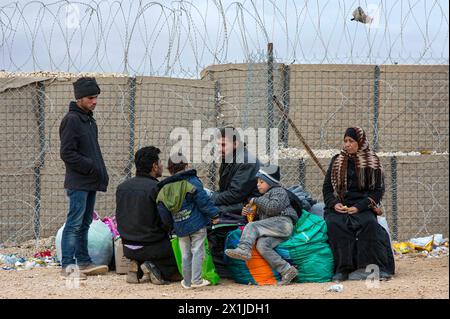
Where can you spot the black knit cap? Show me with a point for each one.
(270, 174)
(352, 133)
(85, 86)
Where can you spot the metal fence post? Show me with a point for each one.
(269, 95)
(376, 105)
(40, 108)
(132, 92)
(302, 172)
(212, 171)
(394, 197)
(285, 126)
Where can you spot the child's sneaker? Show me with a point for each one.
(238, 253)
(288, 276)
(183, 284)
(203, 283)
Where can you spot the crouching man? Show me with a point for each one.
(145, 242)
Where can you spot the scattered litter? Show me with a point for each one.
(43, 254)
(434, 246)
(403, 247)
(14, 262)
(336, 288)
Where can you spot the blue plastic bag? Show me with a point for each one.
(100, 243)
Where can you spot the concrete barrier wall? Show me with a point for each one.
(414, 113)
(19, 148)
(243, 94)
(326, 99)
(323, 101)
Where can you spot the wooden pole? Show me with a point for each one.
(299, 135)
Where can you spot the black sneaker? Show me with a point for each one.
(153, 273)
(359, 274)
(385, 276)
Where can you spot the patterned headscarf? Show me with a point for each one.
(369, 170)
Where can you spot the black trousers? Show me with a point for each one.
(358, 240)
(216, 244)
(160, 254)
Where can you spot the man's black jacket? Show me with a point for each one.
(80, 151)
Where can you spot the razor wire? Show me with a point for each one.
(181, 38)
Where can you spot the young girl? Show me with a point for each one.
(275, 222)
(184, 206)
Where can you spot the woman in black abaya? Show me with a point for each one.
(353, 187)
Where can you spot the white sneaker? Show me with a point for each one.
(183, 284)
(203, 283)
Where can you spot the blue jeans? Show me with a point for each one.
(74, 241)
(267, 234)
(192, 253)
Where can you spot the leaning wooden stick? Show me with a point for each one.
(299, 135)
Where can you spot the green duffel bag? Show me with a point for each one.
(308, 249)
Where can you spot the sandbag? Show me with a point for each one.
(308, 249)
(208, 270)
(255, 271)
(100, 243)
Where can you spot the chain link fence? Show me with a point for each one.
(138, 111)
(403, 107)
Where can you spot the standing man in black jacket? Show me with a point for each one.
(145, 240)
(85, 175)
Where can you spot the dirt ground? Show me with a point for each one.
(416, 278)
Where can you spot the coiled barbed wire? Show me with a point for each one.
(182, 37)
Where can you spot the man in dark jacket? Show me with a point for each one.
(145, 240)
(237, 183)
(85, 175)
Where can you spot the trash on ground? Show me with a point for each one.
(336, 288)
(435, 246)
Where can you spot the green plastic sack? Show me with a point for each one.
(208, 269)
(308, 249)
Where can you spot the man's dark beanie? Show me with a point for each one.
(352, 133)
(85, 86)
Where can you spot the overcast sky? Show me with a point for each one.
(180, 37)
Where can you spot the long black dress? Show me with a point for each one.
(357, 240)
